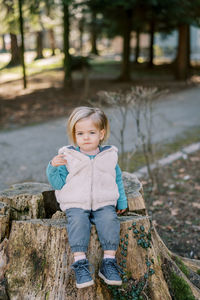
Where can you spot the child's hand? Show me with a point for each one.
(58, 160)
(121, 211)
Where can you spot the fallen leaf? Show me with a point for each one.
(143, 182)
(188, 222)
(170, 228)
(196, 228)
(174, 211)
(171, 186)
(154, 223)
(195, 158)
(197, 187)
(195, 204)
(171, 193)
(157, 202)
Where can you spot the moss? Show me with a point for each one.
(47, 296)
(38, 263)
(159, 260)
(181, 266)
(16, 282)
(180, 289)
(198, 272)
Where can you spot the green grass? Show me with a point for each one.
(106, 67)
(35, 66)
(181, 290)
(161, 151)
(181, 266)
(100, 66)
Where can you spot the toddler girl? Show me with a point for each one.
(89, 187)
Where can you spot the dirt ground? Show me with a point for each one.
(45, 98)
(176, 210)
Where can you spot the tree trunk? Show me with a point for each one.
(94, 34)
(182, 71)
(15, 51)
(3, 43)
(67, 59)
(81, 30)
(151, 50)
(188, 48)
(125, 73)
(21, 28)
(137, 47)
(52, 41)
(35, 256)
(39, 45)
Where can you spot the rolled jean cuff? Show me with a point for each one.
(79, 249)
(109, 247)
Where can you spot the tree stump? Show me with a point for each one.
(4, 220)
(35, 256)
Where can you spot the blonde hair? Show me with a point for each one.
(97, 115)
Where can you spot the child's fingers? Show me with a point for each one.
(62, 158)
(59, 160)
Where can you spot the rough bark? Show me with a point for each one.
(137, 47)
(35, 256)
(133, 188)
(4, 220)
(39, 45)
(52, 41)
(94, 34)
(151, 50)
(66, 46)
(3, 43)
(21, 26)
(81, 30)
(15, 51)
(40, 259)
(181, 67)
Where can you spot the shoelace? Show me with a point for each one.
(110, 264)
(83, 269)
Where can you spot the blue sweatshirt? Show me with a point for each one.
(57, 178)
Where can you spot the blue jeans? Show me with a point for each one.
(79, 224)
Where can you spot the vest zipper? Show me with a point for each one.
(92, 182)
(92, 163)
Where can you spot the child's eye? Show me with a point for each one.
(92, 132)
(79, 133)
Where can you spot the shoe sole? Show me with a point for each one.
(110, 282)
(85, 284)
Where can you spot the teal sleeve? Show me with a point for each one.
(122, 201)
(56, 176)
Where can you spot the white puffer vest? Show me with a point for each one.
(91, 183)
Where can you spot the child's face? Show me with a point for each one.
(88, 136)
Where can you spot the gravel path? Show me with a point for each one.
(25, 152)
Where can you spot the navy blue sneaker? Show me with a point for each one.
(82, 273)
(109, 271)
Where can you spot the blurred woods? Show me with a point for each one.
(72, 19)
